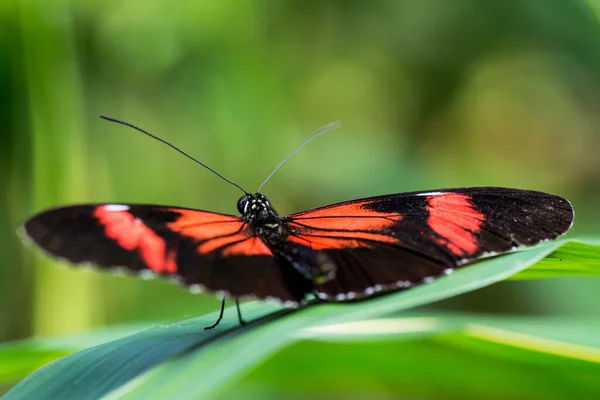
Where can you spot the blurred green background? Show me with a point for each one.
(430, 94)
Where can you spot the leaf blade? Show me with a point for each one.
(158, 361)
(573, 258)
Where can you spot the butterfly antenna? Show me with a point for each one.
(118, 121)
(324, 129)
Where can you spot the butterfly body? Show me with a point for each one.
(262, 220)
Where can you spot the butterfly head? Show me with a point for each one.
(256, 208)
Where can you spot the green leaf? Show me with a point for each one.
(580, 332)
(573, 258)
(19, 361)
(19, 358)
(478, 357)
(93, 372)
(180, 360)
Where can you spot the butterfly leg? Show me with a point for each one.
(237, 304)
(208, 328)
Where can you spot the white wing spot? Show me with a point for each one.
(430, 194)
(146, 274)
(195, 288)
(369, 291)
(448, 271)
(428, 279)
(290, 304)
(116, 207)
(340, 297)
(120, 271)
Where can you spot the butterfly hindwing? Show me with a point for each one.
(203, 250)
(397, 241)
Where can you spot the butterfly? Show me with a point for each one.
(345, 251)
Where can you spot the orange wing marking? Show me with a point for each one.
(133, 235)
(252, 246)
(236, 245)
(348, 216)
(219, 242)
(343, 226)
(204, 225)
(453, 217)
(326, 243)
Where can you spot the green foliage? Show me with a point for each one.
(181, 360)
(462, 363)
(575, 258)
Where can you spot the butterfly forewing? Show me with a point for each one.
(203, 250)
(401, 240)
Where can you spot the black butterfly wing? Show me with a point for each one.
(401, 240)
(203, 250)
(346, 250)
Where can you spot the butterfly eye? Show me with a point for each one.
(242, 204)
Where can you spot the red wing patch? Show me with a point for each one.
(325, 243)
(354, 215)
(218, 232)
(251, 246)
(219, 243)
(205, 225)
(349, 225)
(133, 235)
(238, 244)
(455, 220)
